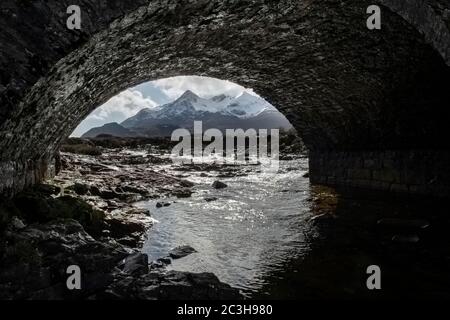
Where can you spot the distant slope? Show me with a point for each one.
(113, 129)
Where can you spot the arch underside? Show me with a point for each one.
(372, 106)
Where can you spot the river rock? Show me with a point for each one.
(35, 266)
(162, 204)
(219, 185)
(181, 251)
(136, 263)
(79, 188)
(171, 285)
(182, 193)
(165, 261)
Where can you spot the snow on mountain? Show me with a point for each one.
(222, 112)
(244, 106)
(247, 105)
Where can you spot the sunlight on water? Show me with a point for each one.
(253, 228)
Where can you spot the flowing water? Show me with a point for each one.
(253, 227)
(260, 235)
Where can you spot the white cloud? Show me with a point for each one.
(202, 86)
(126, 103)
(120, 107)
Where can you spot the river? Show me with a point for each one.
(259, 234)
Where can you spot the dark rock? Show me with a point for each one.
(138, 211)
(181, 251)
(47, 189)
(306, 175)
(186, 183)
(79, 188)
(16, 224)
(130, 229)
(165, 261)
(134, 189)
(172, 285)
(210, 199)
(182, 193)
(34, 267)
(135, 264)
(219, 185)
(162, 204)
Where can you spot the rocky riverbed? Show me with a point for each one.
(140, 227)
(85, 216)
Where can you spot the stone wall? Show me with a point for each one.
(17, 175)
(416, 172)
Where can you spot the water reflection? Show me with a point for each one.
(278, 237)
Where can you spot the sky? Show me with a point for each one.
(152, 94)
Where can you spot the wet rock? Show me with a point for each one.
(79, 188)
(165, 261)
(219, 185)
(210, 199)
(162, 204)
(172, 285)
(138, 211)
(134, 189)
(182, 193)
(129, 229)
(35, 264)
(108, 194)
(186, 183)
(136, 263)
(155, 265)
(181, 251)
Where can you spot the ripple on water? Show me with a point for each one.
(251, 230)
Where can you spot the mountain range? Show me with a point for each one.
(222, 112)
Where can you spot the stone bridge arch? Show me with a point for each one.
(372, 106)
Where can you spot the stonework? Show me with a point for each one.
(344, 87)
(418, 172)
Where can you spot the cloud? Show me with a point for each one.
(202, 86)
(120, 107)
(126, 103)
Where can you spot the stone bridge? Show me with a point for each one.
(371, 105)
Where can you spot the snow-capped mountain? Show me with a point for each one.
(222, 112)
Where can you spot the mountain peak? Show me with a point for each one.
(188, 95)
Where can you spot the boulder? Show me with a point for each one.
(136, 264)
(181, 251)
(219, 185)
